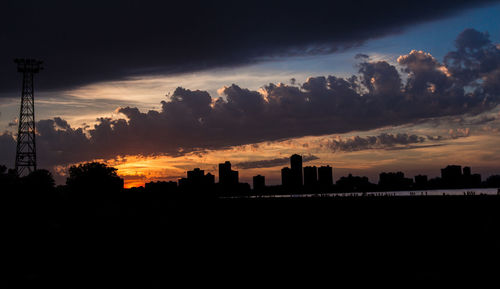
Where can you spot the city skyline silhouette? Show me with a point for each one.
(301, 180)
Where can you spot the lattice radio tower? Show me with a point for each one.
(26, 146)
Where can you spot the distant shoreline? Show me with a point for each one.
(410, 193)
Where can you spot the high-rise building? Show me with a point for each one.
(196, 176)
(420, 181)
(325, 176)
(310, 176)
(226, 175)
(296, 170)
(466, 171)
(452, 176)
(209, 179)
(224, 172)
(259, 183)
(286, 175)
(470, 180)
(235, 179)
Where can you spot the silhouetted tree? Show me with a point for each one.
(39, 181)
(8, 179)
(92, 177)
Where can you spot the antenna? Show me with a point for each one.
(26, 145)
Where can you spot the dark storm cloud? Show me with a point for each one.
(91, 41)
(192, 120)
(272, 162)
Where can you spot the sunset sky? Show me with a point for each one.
(156, 89)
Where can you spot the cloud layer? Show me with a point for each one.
(91, 41)
(382, 141)
(389, 141)
(272, 162)
(466, 83)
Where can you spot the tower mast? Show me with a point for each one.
(26, 145)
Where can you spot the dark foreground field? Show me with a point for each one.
(408, 242)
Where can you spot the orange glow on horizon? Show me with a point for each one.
(132, 183)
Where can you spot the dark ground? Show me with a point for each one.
(405, 242)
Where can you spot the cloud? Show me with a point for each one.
(459, 132)
(388, 141)
(471, 39)
(476, 62)
(59, 144)
(426, 76)
(381, 79)
(7, 149)
(362, 56)
(411, 147)
(382, 141)
(113, 40)
(191, 120)
(272, 162)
